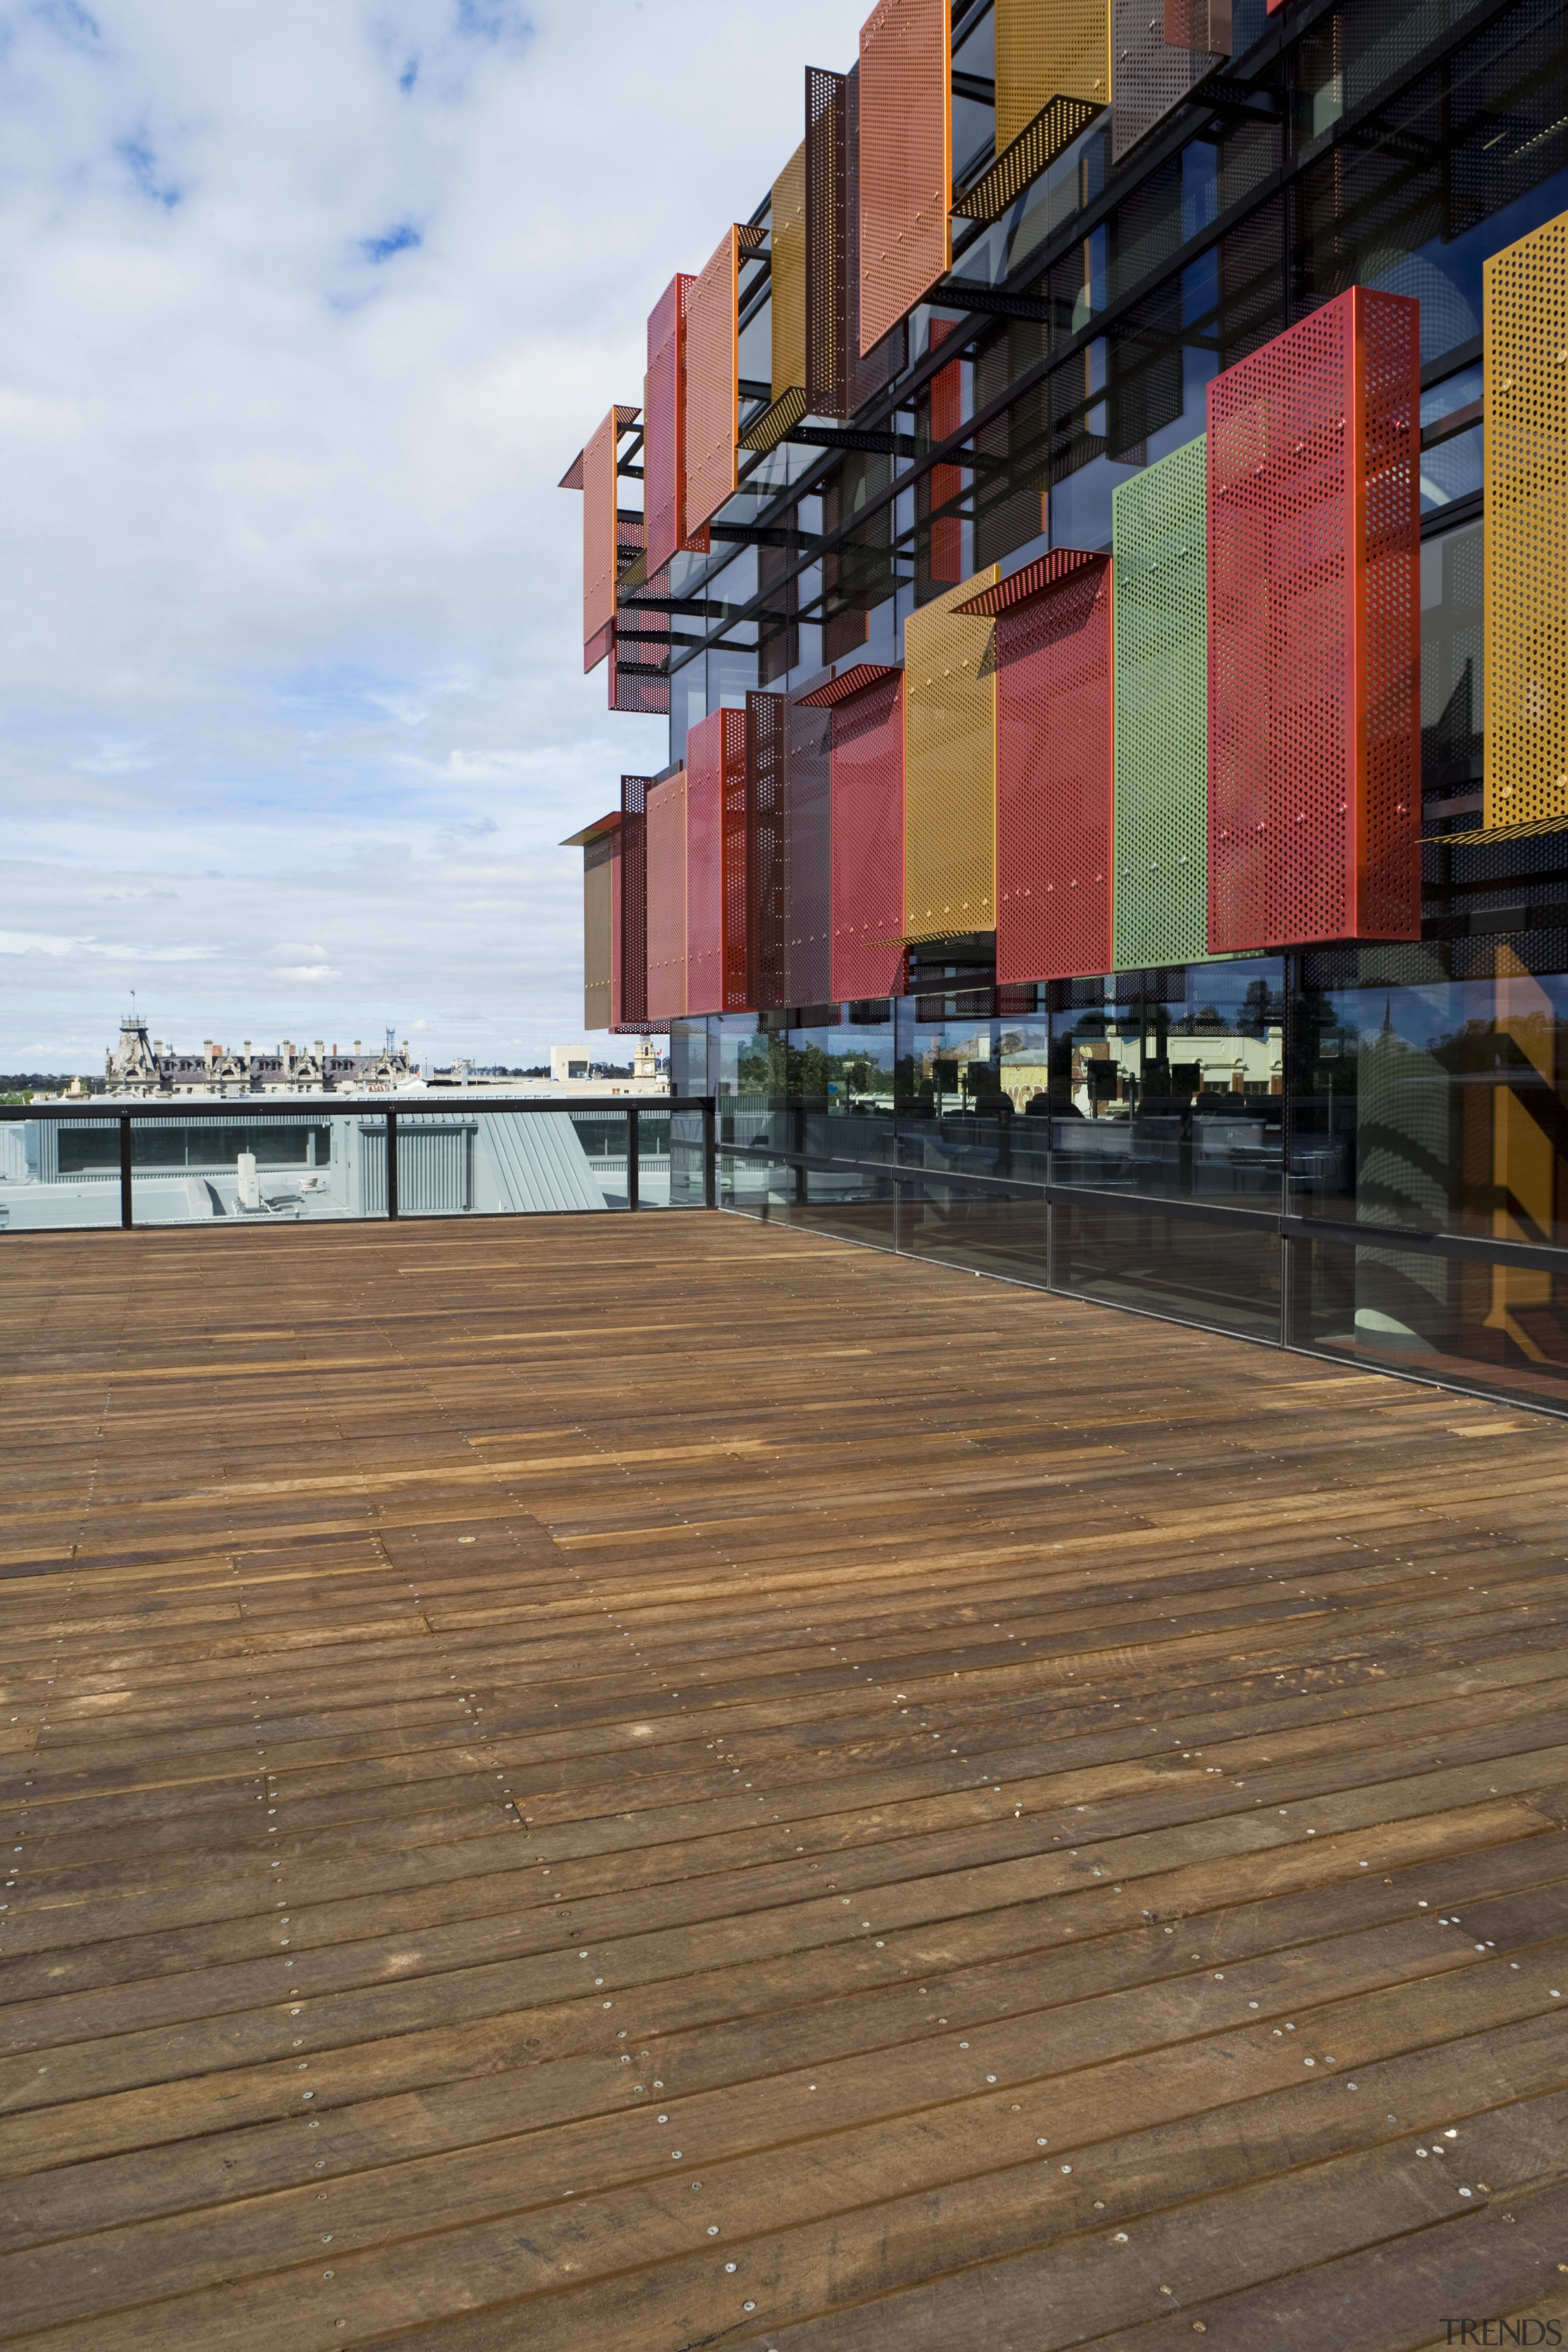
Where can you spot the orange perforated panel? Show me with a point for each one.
(949, 767)
(600, 876)
(868, 838)
(599, 543)
(716, 864)
(1054, 774)
(712, 385)
(1527, 528)
(664, 428)
(666, 837)
(1314, 631)
(1045, 49)
(906, 160)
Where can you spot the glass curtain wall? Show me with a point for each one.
(1355, 1152)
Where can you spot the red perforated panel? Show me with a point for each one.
(767, 737)
(1053, 775)
(906, 160)
(735, 884)
(664, 427)
(868, 840)
(667, 899)
(705, 864)
(1314, 632)
(599, 564)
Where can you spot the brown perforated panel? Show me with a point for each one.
(1151, 74)
(1054, 774)
(1314, 645)
(712, 385)
(1199, 24)
(734, 957)
(767, 739)
(826, 291)
(1045, 49)
(1527, 529)
(667, 899)
(808, 922)
(906, 160)
(868, 838)
(705, 864)
(949, 767)
(632, 1005)
(788, 235)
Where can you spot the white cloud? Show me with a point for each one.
(306, 311)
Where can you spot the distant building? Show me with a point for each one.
(137, 1067)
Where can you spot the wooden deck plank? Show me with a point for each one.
(963, 1733)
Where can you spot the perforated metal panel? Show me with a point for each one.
(599, 538)
(1527, 529)
(1199, 24)
(667, 899)
(598, 930)
(1045, 49)
(632, 1005)
(949, 767)
(868, 838)
(906, 160)
(713, 385)
(808, 919)
(1159, 543)
(826, 259)
(1054, 771)
(735, 891)
(1151, 74)
(1314, 639)
(705, 864)
(1056, 126)
(664, 428)
(767, 743)
(787, 218)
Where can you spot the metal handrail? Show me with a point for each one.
(105, 1111)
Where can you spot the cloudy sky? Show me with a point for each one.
(304, 309)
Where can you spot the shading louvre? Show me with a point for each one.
(664, 427)
(787, 313)
(905, 160)
(667, 855)
(1314, 631)
(949, 767)
(716, 863)
(1054, 777)
(1526, 295)
(601, 844)
(713, 380)
(867, 702)
(1161, 712)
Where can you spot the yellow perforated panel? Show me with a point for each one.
(788, 217)
(1045, 49)
(1527, 528)
(950, 766)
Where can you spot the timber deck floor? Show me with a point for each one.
(526, 1832)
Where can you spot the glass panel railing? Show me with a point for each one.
(58, 1173)
(255, 1167)
(687, 1159)
(510, 1164)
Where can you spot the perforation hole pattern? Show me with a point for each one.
(949, 767)
(633, 899)
(599, 879)
(826, 125)
(713, 386)
(1054, 781)
(705, 864)
(1162, 713)
(1527, 529)
(734, 900)
(666, 898)
(788, 276)
(767, 739)
(1044, 50)
(1313, 582)
(808, 921)
(906, 160)
(599, 536)
(869, 842)
(1151, 75)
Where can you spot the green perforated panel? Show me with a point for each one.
(1161, 912)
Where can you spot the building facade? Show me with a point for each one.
(1097, 529)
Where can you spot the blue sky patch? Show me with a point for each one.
(401, 239)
